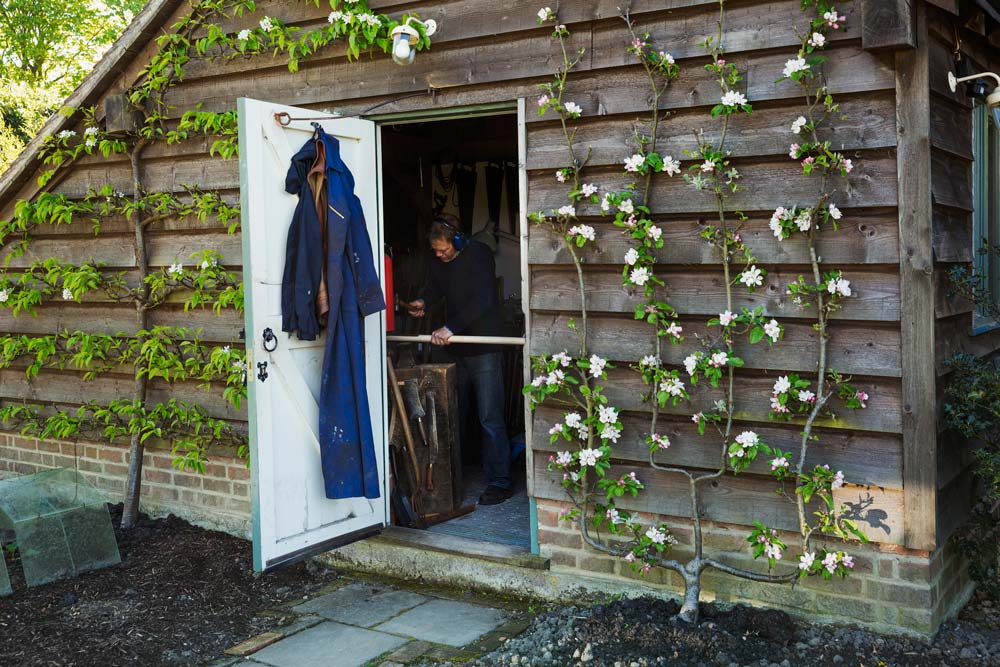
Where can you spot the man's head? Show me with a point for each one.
(442, 237)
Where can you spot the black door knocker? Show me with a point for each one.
(270, 338)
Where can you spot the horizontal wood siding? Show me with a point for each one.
(495, 52)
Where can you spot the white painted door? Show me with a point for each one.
(292, 517)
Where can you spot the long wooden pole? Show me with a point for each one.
(466, 340)
(411, 448)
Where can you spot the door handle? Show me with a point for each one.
(269, 339)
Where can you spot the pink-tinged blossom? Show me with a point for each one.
(589, 457)
(555, 430)
(808, 160)
(752, 277)
(747, 438)
(772, 330)
(654, 232)
(631, 257)
(611, 432)
(780, 462)
(638, 44)
(672, 386)
(776, 405)
(555, 377)
(830, 562)
(719, 359)
(635, 162)
(560, 175)
(586, 231)
(670, 165)
(847, 561)
(795, 65)
(538, 381)
(793, 151)
(708, 166)
(839, 286)
(804, 219)
(835, 212)
(626, 206)
(772, 550)
(646, 568)
(782, 385)
(838, 480)
(666, 57)
(605, 204)
(588, 189)
(630, 557)
(697, 417)
(649, 361)
(798, 124)
(573, 419)
(569, 211)
(573, 108)
(806, 561)
(656, 535)
(833, 19)
(691, 363)
(562, 358)
(726, 318)
(807, 396)
(675, 330)
(597, 365)
(639, 276)
(607, 414)
(817, 40)
(545, 14)
(862, 397)
(564, 458)
(661, 441)
(734, 98)
(543, 100)
(847, 165)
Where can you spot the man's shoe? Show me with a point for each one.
(494, 495)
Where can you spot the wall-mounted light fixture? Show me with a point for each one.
(405, 36)
(992, 100)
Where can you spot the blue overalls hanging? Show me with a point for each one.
(330, 275)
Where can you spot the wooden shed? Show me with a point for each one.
(908, 216)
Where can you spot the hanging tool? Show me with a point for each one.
(433, 443)
(411, 448)
(411, 394)
(401, 506)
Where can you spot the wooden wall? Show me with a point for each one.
(954, 245)
(493, 52)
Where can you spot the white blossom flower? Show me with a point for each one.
(538, 381)
(656, 535)
(605, 203)
(555, 377)
(708, 166)
(798, 123)
(634, 163)
(835, 212)
(838, 480)
(573, 108)
(719, 359)
(748, 438)
(631, 257)
(772, 550)
(649, 361)
(573, 420)
(597, 365)
(777, 406)
(544, 14)
(734, 98)
(793, 151)
(611, 432)
(67, 294)
(556, 429)
(244, 35)
(562, 358)
(772, 330)
(672, 386)
(782, 385)
(670, 166)
(639, 276)
(691, 363)
(588, 189)
(847, 561)
(589, 457)
(817, 39)
(726, 318)
(266, 24)
(4, 295)
(560, 175)
(613, 516)
(697, 417)
(675, 330)
(564, 458)
(654, 232)
(806, 396)
(780, 462)
(830, 562)
(175, 270)
(568, 210)
(847, 165)
(332, 18)
(607, 414)
(66, 134)
(91, 131)
(806, 560)
(804, 220)
(839, 286)
(752, 277)
(543, 100)
(666, 57)
(795, 65)
(626, 206)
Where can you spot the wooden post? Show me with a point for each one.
(887, 24)
(916, 276)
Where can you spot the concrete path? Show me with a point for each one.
(364, 624)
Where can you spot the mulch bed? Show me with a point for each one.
(181, 596)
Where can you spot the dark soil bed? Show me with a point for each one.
(181, 596)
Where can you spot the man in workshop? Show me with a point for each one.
(464, 274)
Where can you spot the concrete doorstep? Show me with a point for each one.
(372, 624)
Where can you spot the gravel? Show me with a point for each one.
(645, 632)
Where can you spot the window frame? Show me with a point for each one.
(985, 208)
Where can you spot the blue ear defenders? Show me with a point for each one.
(458, 239)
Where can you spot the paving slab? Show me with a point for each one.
(446, 622)
(362, 604)
(328, 644)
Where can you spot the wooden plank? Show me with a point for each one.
(946, 303)
(114, 250)
(954, 503)
(624, 389)
(941, 61)
(887, 24)
(165, 249)
(951, 181)
(873, 183)
(947, 5)
(741, 500)
(868, 122)
(955, 455)
(201, 171)
(952, 235)
(917, 293)
(954, 336)
(882, 464)
(855, 348)
(864, 237)
(703, 293)
(951, 127)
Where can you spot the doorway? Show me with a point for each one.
(466, 167)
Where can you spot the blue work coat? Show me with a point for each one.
(347, 449)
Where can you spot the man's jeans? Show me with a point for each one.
(481, 374)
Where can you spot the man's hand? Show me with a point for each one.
(416, 308)
(442, 336)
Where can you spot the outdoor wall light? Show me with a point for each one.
(992, 100)
(404, 36)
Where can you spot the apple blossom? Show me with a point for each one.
(830, 562)
(782, 385)
(708, 166)
(795, 65)
(675, 330)
(862, 397)
(588, 189)
(605, 204)
(543, 100)
(176, 269)
(817, 39)
(545, 14)
(726, 318)
(639, 276)
(556, 429)
(662, 441)
(654, 232)
(586, 231)
(332, 18)
(804, 220)
(838, 480)
(807, 396)
(670, 166)
(607, 415)
(538, 381)
(266, 24)
(748, 438)
(631, 257)
(630, 557)
(656, 535)
(67, 294)
(847, 165)
(798, 123)
(752, 277)
(635, 162)
(568, 210)
(847, 561)
(555, 377)
(66, 134)
(806, 560)
(573, 108)
(697, 417)
(772, 330)
(573, 420)
(597, 365)
(562, 358)
(626, 206)
(734, 98)
(780, 462)
(776, 405)
(4, 295)
(611, 432)
(649, 361)
(691, 363)
(835, 212)
(560, 175)
(589, 457)
(719, 359)
(672, 386)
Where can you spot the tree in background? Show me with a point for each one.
(47, 47)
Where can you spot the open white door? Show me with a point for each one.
(292, 518)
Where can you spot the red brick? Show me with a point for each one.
(186, 480)
(63, 461)
(116, 470)
(69, 448)
(90, 452)
(163, 462)
(30, 456)
(217, 485)
(241, 490)
(560, 539)
(111, 454)
(208, 500)
(48, 446)
(240, 505)
(563, 558)
(158, 491)
(156, 476)
(604, 564)
(238, 472)
(215, 470)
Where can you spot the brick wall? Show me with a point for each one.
(218, 499)
(891, 589)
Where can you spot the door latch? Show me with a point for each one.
(261, 370)
(269, 339)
